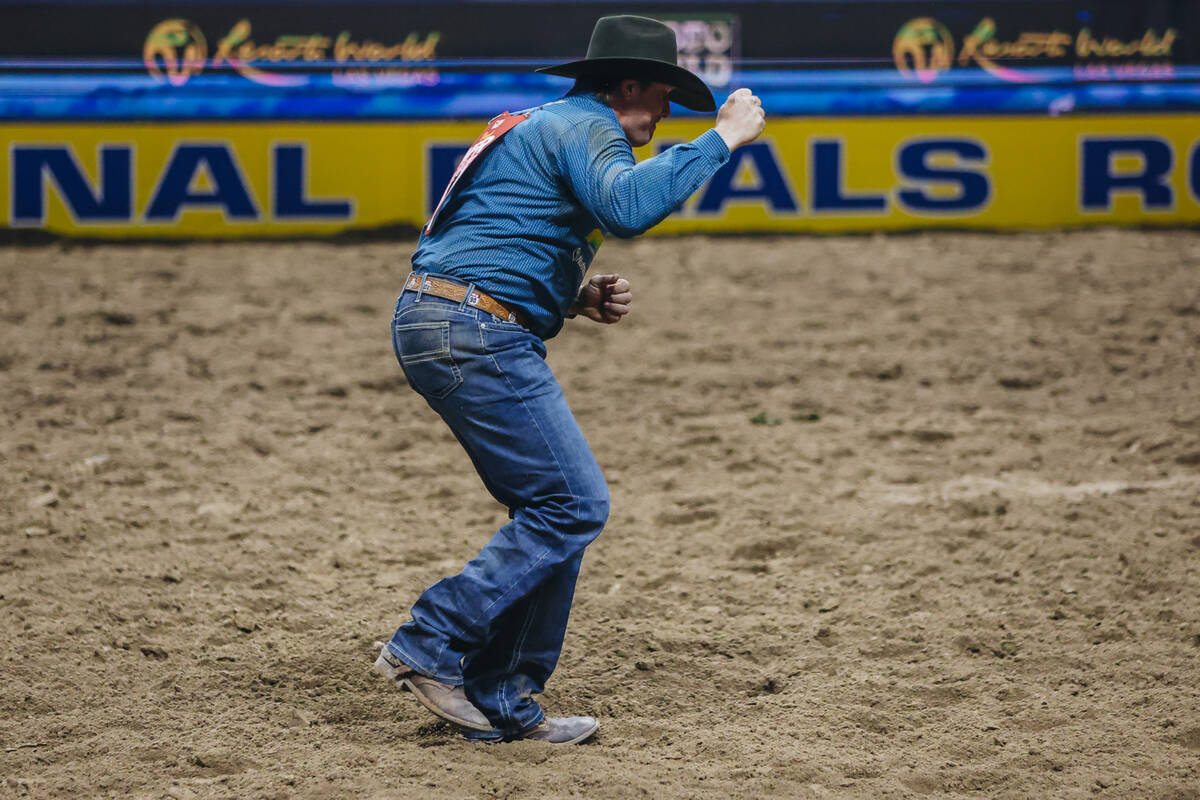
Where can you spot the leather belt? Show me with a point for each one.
(457, 292)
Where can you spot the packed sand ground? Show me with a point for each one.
(893, 517)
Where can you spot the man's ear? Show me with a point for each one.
(628, 87)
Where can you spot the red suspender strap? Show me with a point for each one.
(495, 129)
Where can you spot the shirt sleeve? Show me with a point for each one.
(629, 198)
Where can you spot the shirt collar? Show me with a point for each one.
(590, 102)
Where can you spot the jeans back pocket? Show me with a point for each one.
(423, 349)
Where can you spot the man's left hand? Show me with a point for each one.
(604, 298)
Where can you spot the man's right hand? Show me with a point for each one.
(741, 119)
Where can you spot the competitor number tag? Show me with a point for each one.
(495, 129)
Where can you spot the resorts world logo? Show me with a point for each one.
(176, 50)
(924, 48)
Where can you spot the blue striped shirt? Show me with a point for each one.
(525, 221)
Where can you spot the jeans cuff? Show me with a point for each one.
(497, 735)
(428, 672)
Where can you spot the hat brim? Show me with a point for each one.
(690, 91)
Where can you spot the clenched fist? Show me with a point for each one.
(741, 118)
(604, 298)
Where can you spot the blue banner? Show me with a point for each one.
(313, 60)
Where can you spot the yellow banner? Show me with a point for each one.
(805, 174)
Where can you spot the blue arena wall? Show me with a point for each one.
(286, 99)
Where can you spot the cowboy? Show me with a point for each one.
(498, 268)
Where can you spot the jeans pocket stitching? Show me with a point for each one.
(488, 350)
(442, 351)
(442, 354)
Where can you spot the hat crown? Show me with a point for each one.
(627, 46)
(628, 36)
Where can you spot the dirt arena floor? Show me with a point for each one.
(893, 517)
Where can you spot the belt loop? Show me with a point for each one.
(466, 301)
(415, 282)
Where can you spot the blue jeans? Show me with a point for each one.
(497, 627)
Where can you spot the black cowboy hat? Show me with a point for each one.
(626, 46)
